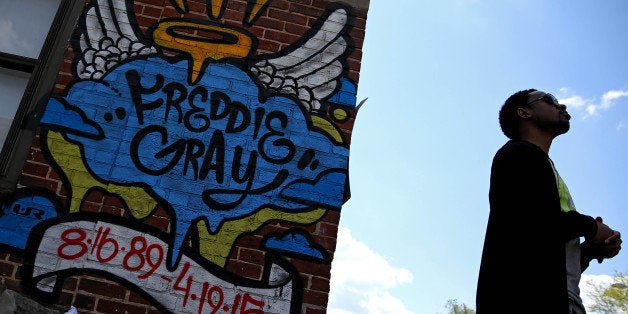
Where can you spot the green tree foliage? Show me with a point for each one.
(610, 299)
(453, 307)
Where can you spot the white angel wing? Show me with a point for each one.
(107, 39)
(312, 71)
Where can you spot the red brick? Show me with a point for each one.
(160, 212)
(354, 64)
(65, 300)
(305, 278)
(256, 31)
(84, 302)
(137, 298)
(35, 153)
(320, 3)
(327, 242)
(347, 126)
(281, 4)
(54, 176)
(90, 207)
(266, 46)
(28, 180)
(354, 76)
(280, 36)
(327, 229)
(110, 306)
(15, 258)
(63, 194)
(282, 226)
(151, 11)
(170, 12)
(249, 241)
(111, 200)
(310, 310)
(321, 270)
(112, 210)
(70, 284)
(287, 16)
(156, 2)
(296, 29)
(66, 67)
(268, 23)
(295, 6)
(19, 272)
(319, 283)
(331, 216)
(315, 297)
(251, 255)
(7, 269)
(304, 2)
(94, 197)
(196, 16)
(357, 50)
(15, 285)
(145, 21)
(237, 5)
(158, 222)
(358, 24)
(197, 7)
(63, 80)
(233, 15)
(102, 288)
(247, 270)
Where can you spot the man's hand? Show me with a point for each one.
(605, 235)
(600, 252)
(605, 244)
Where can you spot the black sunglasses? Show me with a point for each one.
(548, 98)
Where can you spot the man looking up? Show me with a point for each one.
(533, 258)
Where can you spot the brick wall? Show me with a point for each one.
(190, 160)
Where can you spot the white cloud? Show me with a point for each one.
(361, 280)
(591, 106)
(610, 96)
(586, 289)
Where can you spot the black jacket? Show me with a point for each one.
(523, 260)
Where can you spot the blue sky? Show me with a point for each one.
(435, 74)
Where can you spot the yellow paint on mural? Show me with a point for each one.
(215, 8)
(68, 156)
(216, 248)
(327, 127)
(179, 4)
(198, 48)
(340, 114)
(256, 10)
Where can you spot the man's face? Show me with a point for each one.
(547, 113)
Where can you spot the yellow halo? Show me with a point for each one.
(225, 42)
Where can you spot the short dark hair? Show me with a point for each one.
(508, 118)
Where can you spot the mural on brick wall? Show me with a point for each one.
(226, 141)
